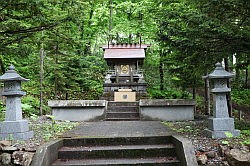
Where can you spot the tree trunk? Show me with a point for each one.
(56, 79)
(161, 71)
(110, 21)
(41, 79)
(2, 66)
(246, 78)
(87, 49)
(207, 98)
(229, 100)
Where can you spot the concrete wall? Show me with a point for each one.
(185, 151)
(47, 153)
(78, 110)
(167, 110)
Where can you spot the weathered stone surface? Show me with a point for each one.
(9, 149)
(22, 158)
(4, 143)
(18, 136)
(202, 159)
(211, 154)
(223, 149)
(165, 113)
(5, 158)
(13, 108)
(237, 157)
(167, 110)
(78, 114)
(76, 103)
(221, 133)
(166, 102)
(14, 126)
(221, 123)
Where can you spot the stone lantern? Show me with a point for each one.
(220, 124)
(14, 126)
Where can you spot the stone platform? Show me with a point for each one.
(119, 129)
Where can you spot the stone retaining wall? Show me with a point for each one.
(150, 109)
(77, 110)
(167, 109)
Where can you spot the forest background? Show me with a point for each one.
(56, 44)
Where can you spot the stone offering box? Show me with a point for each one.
(125, 95)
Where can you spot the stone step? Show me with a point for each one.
(115, 103)
(122, 119)
(120, 151)
(160, 161)
(160, 140)
(123, 115)
(123, 109)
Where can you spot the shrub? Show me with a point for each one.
(241, 96)
(169, 94)
(30, 105)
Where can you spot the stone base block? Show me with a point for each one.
(20, 126)
(221, 134)
(216, 124)
(17, 136)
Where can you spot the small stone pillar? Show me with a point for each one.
(14, 126)
(220, 123)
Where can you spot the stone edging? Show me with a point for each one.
(47, 153)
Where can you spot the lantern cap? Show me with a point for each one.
(12, 75)
(220, 72)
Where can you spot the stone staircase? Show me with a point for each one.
(151, 150)
(122, 111)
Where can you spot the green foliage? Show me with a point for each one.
(51, 129)
(30, 105)
(187, 129)
(229, 134)
(241, 96)
(245, 134)
(169, 94)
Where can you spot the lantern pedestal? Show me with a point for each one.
(219, 127)
(17, 130)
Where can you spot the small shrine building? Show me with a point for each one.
(124, 80)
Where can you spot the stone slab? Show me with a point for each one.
(221, 124)
(78, 114)
(119, 129)
(166, 102)
(77, 103)
(124, 90)
(14, 126)
(221, 134)
(17, 136)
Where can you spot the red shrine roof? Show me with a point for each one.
(118, 51)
